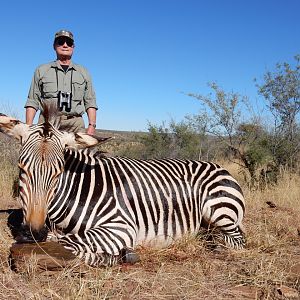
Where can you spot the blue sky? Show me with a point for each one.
(144, 55)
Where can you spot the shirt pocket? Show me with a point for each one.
(78, 89)
(49, 87)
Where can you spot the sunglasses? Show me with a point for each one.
(62, 40)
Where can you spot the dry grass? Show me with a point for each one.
(9, 170)
(268, 266)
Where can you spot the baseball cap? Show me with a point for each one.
(63, 32)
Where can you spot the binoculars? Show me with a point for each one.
(64, 100)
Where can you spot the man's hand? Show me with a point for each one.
(91, 130)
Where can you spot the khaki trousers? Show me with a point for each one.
(68, 123)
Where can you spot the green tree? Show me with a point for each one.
(225, 122)
(157, 141)
(222, 112)
(281, 89)
(185, 141)
(199, 124)
(175, 140)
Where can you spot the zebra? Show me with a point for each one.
(102, 207)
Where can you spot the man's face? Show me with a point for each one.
(64, 46)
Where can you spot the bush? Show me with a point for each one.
(177, 140)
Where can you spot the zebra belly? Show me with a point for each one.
(166, 234)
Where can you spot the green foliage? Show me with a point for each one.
(257, 155)
(224, 121)
(255, 142)
(157, 142)
(177, 140)
(281, 89)
(285, 151)
(222, 110)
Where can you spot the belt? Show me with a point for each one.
(71, 117)
(68, 117)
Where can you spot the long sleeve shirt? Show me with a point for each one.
(50, 79)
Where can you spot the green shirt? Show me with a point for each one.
(50, 78)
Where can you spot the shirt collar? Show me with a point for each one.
(56, 64)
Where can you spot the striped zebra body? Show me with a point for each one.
(101, 207)
(106, 204)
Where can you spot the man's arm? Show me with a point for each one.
(90, 103)
(91, 112)
(30, 114)
(32, 103)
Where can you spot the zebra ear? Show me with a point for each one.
(13, 127)
(83, 140)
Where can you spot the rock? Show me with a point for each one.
(271, 204)
(288, 292)
(245, 292)
(48, 256)
(295, 269)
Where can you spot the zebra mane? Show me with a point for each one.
(51, 115)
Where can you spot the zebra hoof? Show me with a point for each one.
(129, 256)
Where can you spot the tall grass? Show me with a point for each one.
(9, 169)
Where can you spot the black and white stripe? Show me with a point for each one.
(106, 204)
(103, 207)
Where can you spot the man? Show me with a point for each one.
(65, 83)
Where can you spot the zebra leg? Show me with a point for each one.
(100, 259)
(234, 238)
(93, 255)
(105, 259)
(108, 260)
(226, 222)
(51, 237)
(218, 236)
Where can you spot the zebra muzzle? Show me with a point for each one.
(27, 235)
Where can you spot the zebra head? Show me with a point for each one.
(41, 161)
